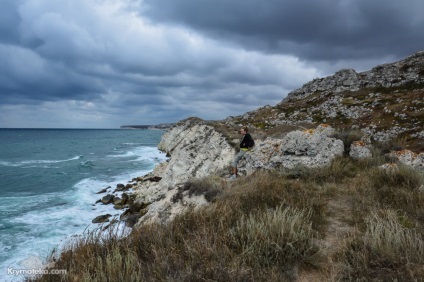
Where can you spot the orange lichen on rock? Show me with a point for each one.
(324, 125)
(310, 131)
(404, 153)
(359, 143)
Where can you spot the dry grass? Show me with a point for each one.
(387, 251)
(272, 227)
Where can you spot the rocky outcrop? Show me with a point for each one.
(309, 148)
(409, 70)
(196, 150)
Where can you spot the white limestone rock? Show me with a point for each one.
(359, 150)
(409, 158)
(311, 148)
(196, 150)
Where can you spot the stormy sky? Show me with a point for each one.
(106, 63)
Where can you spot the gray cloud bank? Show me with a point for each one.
(103, 63)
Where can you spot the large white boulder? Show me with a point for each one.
(310, 148)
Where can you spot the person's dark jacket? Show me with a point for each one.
(244, 143)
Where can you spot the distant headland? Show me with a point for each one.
(161, 126)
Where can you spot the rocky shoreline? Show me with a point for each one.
(196, 150)
(123, 198)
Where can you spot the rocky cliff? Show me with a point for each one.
(401, 74)
(385, 102)
(195, 150)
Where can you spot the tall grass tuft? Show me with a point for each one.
(387, 251)
(401, 177)
(278, 237)
(399, 189)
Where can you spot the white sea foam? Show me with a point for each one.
(35, 162)
(50, 220)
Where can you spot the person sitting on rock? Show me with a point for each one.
(246, 144)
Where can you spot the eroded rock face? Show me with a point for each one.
(196, 150)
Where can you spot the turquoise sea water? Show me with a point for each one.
(48, 184)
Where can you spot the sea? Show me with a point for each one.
(48, 184)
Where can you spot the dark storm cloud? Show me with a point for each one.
(25, 77)
(103, 63)
(311, 29)
(9, 21)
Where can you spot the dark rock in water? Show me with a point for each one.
(118, 206)
(132, 219)
(98, 201)
(108, 199)
(126, 213)
(122, 187)
(117, 201)
(103, 190)
(125, 197)
(119, 187)
(101, 218)
(153, 179)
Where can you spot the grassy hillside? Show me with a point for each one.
(352, 220)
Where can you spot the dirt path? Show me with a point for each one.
(333, 240)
